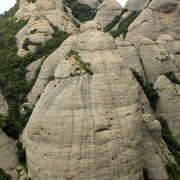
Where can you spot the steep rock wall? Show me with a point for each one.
(160, 17)
(89, 127)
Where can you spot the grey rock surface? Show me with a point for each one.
(107, 10)
(169, 103)
(147, 57)
(3, 105)
(8, 155)
(42, 14)
(92, 3)
(89, 127)
(160, 17)
(31, 68)
(136, 5)
(155, 152)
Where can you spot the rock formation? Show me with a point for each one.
(148, 57)
(160, 17)
(8, 156)
(41, 14)
(3, 105)
(86, 126)
(136, 5)
(107, 10)
(93, 119)
(167, 105)
(92, 3)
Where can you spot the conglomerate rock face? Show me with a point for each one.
(3, 105)
(169, 103)
(107, 10)
(136, 5)
(149, 58)
(8, 155)
(41, 15)
(90, 126)
(93, 120)
(160, 17)
(77, 128)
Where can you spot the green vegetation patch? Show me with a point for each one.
(81, 64)
(146, 174)
(171, 76)
(123, 26)
(173, 171)
(3, 175)
(150, 92)
(33, 1)
(173, 146)
(114, 21)
(21, 153)
(14, 86)
(80, 11)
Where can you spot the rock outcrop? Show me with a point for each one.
(92, 3)
(90, 126)
(3, 105)
(155, 151)
(107, 10)
(8, 155)
(147, 57)
(136, 5)
(42, 14)
(169, 103)
(160, 17)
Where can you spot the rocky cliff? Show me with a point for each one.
(93, 118)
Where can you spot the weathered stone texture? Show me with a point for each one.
(8, 155)
(107, 10)
(160, 17)
(90, 127)
(3, 105)
(169, 103)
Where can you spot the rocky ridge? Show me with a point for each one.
(93, 119)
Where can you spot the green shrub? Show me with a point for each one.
(171, 76)
(33, 1)
(80, 11)
(114, 21)
(21, 153)
(173, 171)
(81, 64)
(3, 175)
(169, 139)
(150, 92)
(123, 26)
(14, 86)
(146, 174)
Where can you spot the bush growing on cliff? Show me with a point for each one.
(169, 139)
(14, 86)
(173, 171)
(83, 12)
(123, 26)
(171, 76)
(3, 175)
(115, 21)
(150, 92)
